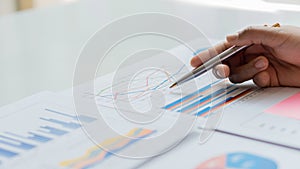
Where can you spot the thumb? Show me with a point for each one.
(269, 36)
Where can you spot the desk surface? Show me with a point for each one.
(39, 48)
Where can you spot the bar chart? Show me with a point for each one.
(208, 98)
(37, 126)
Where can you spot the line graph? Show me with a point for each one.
(136, 90)
(201, 102)
(161, 82)
(150, 82)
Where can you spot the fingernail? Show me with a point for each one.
(260, 64)
(220, 74)
(232, 37)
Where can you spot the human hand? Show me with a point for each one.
(272, 60)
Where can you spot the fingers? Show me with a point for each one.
(267, 78)
(258, 69)
(208, 54)
(248, 71)
(259, 35)
(246, 65)
(262, 79)
(263, 74)
(268, 36)
(244, 72)
(221, 71)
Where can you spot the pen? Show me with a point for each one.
(212, 62)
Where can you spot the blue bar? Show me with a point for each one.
(34, 137)
(70, 125)
(53, 131)
(7, 153)
(21, 145)
(39, 138)
(212, 100)
(234, 89)
(227, 99)
(220, 91)
(203, 111)
(208, 108)
(179, 100)
(81, 117)
(234, 97)
(188, 96)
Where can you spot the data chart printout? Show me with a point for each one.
(258, 127)
(223, 151)
(93, 156)
(43, 132)
(269, 115)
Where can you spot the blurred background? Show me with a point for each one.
(40, 40)
(11, 6)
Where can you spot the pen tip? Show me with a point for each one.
(173, 85)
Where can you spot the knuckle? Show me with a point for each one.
(252, 30)
(248, 29)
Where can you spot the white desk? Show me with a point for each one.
(38, 48)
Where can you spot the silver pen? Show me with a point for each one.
(210, 64)
(213, 62)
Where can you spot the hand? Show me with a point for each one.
(273, 60)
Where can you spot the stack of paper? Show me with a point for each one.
(133, 120)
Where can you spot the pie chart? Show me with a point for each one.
(238, 160)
